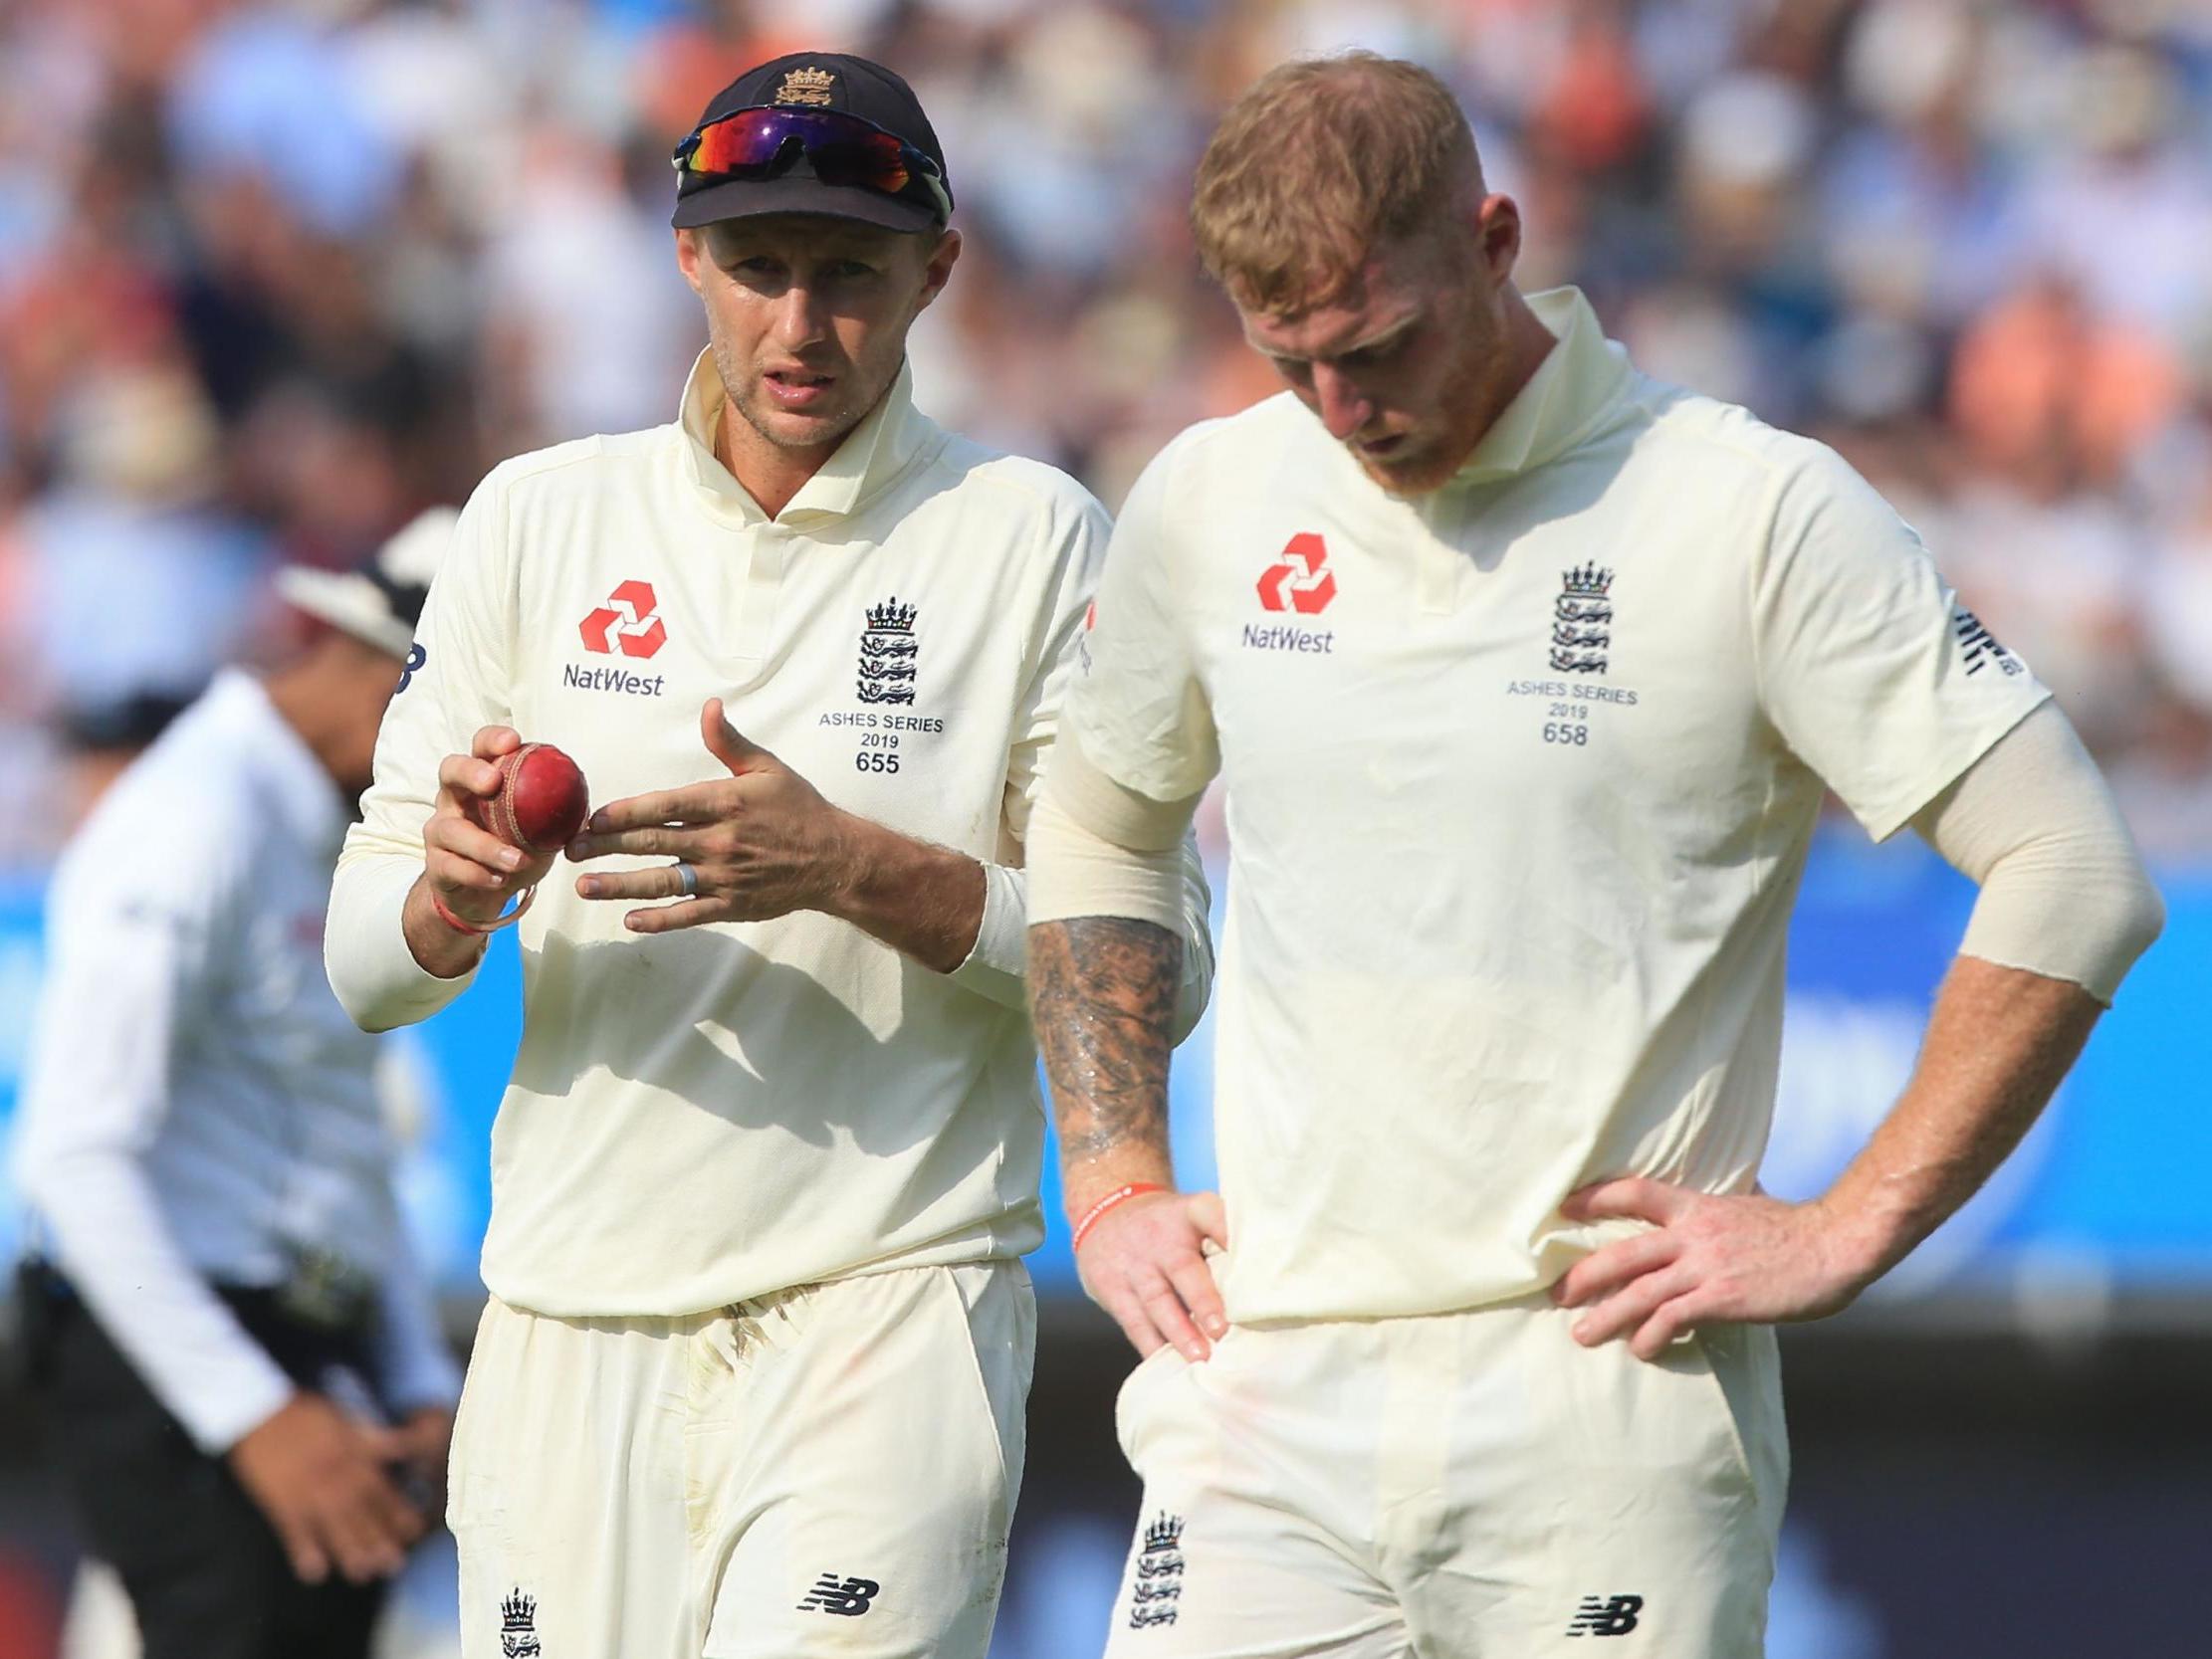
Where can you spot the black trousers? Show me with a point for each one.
(206, 1573)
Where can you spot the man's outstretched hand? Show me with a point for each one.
(761, 842)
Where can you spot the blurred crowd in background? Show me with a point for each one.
(275, 275)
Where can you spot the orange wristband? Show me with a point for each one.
(461, 925)
(1093, 1215)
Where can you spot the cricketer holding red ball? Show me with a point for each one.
(752, 1374)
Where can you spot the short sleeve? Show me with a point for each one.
(1137, 709)
(1078, 535)
(1075, 534)
(1870, 669)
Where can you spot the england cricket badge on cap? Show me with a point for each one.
(806, 86)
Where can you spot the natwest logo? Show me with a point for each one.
(1299, 582)
(627, 622)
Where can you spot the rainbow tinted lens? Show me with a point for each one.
(843, 150)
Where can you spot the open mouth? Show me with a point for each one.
(795, 388)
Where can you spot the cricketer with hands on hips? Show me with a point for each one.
(1489, 1340)
(1999, 1041)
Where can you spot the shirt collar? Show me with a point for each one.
(1577, 381)
(873, 452)
(301, 790)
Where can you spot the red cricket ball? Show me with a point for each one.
(542, 802)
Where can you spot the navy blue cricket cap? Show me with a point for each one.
(823, 81)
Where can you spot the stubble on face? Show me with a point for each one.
(869, 288)
(1433, 404)
(1466, 403)
(825, 428)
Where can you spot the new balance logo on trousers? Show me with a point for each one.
(849, 1598)
(1605, 1615)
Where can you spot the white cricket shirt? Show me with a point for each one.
(731, 1110)
(1521, 777)
(196, 1104)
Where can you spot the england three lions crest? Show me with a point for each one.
(517, 1628)
(1582, 621)
(888, 653)
(1157, 1585)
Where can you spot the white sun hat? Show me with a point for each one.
(379, 603)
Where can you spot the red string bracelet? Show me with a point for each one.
(462, 925)
(1097, 1211)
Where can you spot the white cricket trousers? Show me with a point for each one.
(829, 1470)
(1467, 1486)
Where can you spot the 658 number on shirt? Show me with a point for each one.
(1569, 725)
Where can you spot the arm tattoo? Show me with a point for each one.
(1102, 991)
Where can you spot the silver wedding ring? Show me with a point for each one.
(690, 877)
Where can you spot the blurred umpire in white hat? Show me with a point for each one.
(249, 1395)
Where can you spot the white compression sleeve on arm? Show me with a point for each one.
(1109, 808)
(2063, 893)
(1099, 848)
(1076, 873)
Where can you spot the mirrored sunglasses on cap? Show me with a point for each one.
(842, 149)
